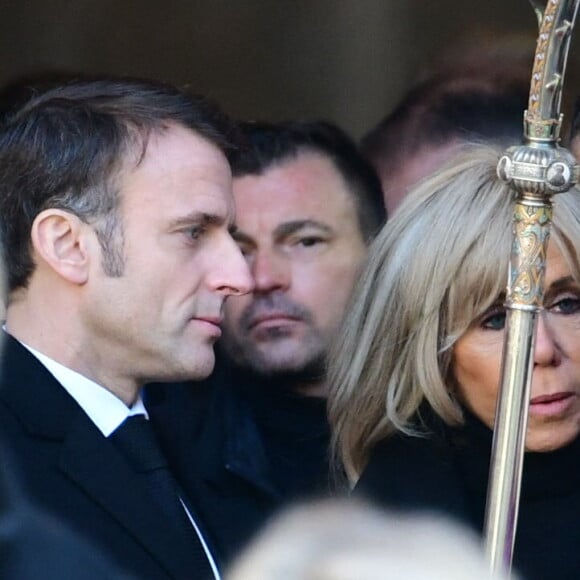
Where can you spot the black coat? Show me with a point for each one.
(68, 468)
(216, 447)
(447, 472)
(34, 546)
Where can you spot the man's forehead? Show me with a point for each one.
(168, 143)
(308, 175)
(177, 158)
(278, 199)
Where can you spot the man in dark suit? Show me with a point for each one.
(116, 206)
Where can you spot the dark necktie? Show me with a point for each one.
(136, 440)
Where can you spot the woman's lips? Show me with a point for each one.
(556, 404)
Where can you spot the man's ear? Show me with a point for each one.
(59, 238)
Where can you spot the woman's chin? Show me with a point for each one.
(550, 437)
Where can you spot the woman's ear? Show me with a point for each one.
(58, 238)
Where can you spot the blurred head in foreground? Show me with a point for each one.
(344, 540)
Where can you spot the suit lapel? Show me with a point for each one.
(94, 464)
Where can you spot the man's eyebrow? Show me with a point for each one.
(292, 227)
(198, 218)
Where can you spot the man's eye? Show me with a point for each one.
(495, 320)
(567, 305)
(309, 241)
(196, 232)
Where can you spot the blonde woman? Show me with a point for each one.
(416, 371)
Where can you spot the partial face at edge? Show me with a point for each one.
(554, 418)
(298, 230)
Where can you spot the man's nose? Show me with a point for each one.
(270, 271)
(232, 275)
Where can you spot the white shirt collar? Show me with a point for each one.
(104, 408)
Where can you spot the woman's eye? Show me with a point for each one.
(567, 305)
(494, 321)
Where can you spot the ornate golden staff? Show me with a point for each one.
(535, 170)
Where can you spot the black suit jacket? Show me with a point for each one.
(67, 467)
(34, 546)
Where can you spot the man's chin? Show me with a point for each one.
(289, 355)
(198, 366)
(291, 369)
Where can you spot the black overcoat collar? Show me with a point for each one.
(416, 473)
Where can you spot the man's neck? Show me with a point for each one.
(125, 389)
(49, 319)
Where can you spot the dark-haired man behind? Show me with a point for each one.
(307, 205)
(115, 209)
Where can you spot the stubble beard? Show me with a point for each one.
(276, 352)
(283, 358)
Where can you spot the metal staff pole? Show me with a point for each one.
(535, 170)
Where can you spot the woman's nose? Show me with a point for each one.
(546, 351)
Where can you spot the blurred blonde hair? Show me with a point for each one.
(346, 540)
(437, 266)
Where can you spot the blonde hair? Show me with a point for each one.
(346, 540)
(437, 266)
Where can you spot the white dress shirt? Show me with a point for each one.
(104, 408)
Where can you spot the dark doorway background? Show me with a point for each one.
(348, 61)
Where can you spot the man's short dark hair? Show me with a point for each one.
(63, 146)
(270, 144)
